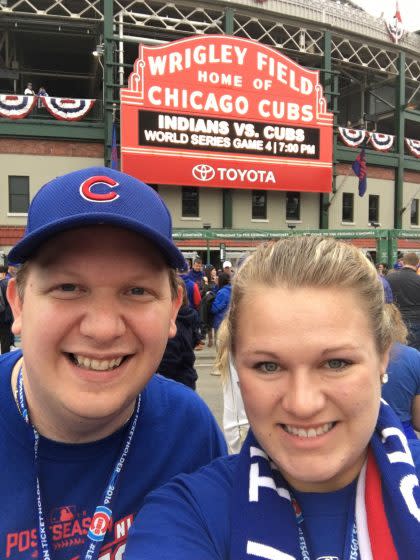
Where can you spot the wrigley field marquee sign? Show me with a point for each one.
(221, 111)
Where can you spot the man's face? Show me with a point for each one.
(95, 318)
(197, 266)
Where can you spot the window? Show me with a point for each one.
(348, 207)
(292, 206)
(259, 205)
(18, 194)
(414, 212)
(373, 208)
(190, 199)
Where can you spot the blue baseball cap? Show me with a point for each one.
(97, 195)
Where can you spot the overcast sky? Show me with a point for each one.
(409, 10)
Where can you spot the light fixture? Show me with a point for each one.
(99, 51)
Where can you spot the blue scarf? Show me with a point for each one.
(264, 523)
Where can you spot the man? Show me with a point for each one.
(29, 90)
(405, 284)
(196, 273)
(86, 429)
(227, 268)
(6, 317)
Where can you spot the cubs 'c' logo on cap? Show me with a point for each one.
(88, 184)
(99, 524)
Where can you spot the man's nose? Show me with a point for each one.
(103, 321)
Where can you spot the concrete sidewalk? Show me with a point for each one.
(209, 387)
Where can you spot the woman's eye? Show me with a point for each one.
(337, 363)
(268, 367)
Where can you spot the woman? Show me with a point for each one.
(235, 421)
(325, 471)
(207, 297)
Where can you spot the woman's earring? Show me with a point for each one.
(384, 378)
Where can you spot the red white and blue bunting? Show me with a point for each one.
(16, 106)
(413, 146)
(19, 106)
(381, 142)
(352, 137)
(378, 140)
(66, 109)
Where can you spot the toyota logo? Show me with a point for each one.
(203, 172)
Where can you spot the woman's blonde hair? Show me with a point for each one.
(309, 261)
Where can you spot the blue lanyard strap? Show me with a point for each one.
(103, 512)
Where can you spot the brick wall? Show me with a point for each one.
(379, 173)
(54, 147)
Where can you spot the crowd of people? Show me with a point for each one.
(103, 456)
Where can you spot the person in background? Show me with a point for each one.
(42, 92)
(3, 271)
(235, 420)
(402, 389)
(178, 359)
(193, 292)
(227, 268)
(194, 300)
(7, 338)
(405, 284)
(29, 90)
(196, 272)
(382, 269)
(210, 286)
(221, 302)
(326, 470)
(85, 424)
(197, 275)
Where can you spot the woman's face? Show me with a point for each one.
(309, 373)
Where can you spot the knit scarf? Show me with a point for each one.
(264, 523)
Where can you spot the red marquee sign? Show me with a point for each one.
(221, 111)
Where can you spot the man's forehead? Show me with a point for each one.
(97, 239)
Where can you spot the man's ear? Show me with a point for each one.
(176, 304)
(16, 305)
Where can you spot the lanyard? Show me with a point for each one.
(103, 512)
(351, 544)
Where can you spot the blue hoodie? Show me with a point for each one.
(220, 304)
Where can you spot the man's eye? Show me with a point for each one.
(137, 291)
(268, 367)
(337, 363)
(67, 287)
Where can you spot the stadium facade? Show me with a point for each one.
(369, 77)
